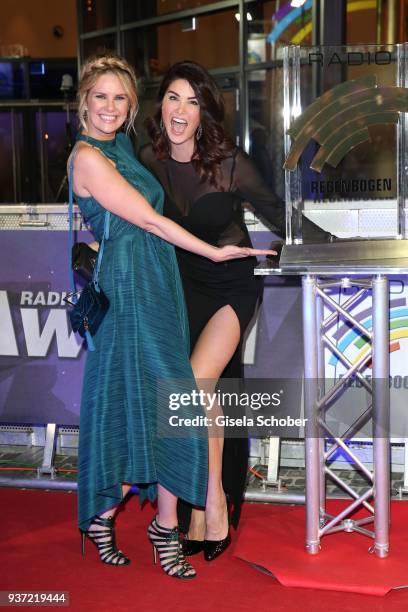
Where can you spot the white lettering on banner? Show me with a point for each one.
(8, 342)
(52, 298)
(39, 343)
(26, 298)
(39, 299)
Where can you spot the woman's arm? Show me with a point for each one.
(95, 176)
(250, 185)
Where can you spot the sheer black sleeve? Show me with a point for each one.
(249, 184)
(251, 187)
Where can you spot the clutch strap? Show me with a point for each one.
(95, 277)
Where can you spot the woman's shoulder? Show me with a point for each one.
(81, 154)
(228, 156)
(229, 163)
(89, 156)
(232, 155)
(239, 153)
(242, 162)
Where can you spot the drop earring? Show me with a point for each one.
(199, 132)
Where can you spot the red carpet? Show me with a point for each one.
(40, 550)
(273, 537)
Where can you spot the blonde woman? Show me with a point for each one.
(143, 338)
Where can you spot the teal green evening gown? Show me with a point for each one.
(142, 340)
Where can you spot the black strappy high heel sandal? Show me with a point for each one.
(167, 543)
(104, 540)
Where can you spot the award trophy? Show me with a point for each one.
(346, 166)
(346, 161)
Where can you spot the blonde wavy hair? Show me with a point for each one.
(99, 65)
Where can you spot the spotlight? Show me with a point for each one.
(297, 3)
(238, 16)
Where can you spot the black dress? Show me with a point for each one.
(216, 216)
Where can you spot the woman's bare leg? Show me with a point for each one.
(110, 512)
(167, 508)
(213, 350)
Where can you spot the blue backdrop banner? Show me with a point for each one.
(41, 359)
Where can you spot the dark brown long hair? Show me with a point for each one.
(214, 145)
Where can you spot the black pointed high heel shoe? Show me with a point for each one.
(167, 543)
(215, 548)
(192, 547)
(104, 540)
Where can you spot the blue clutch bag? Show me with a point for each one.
(88, 311)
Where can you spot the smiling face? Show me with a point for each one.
(181, 118)
(107, 107)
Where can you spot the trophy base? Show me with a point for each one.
(389, 252)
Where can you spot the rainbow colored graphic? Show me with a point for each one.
(347, 338)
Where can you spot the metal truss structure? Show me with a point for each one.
(319, 400)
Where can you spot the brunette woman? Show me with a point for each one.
(206, 179)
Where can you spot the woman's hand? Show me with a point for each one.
(234, 252)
